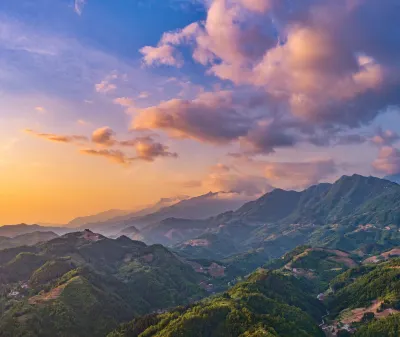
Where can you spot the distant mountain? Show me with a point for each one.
(130, 231)
(84, 284)
(20, 229)
(394, 178)
(103, 216)
(29, 239)
(171, 231)
(112, 225)
(201, 207)
(351, 214)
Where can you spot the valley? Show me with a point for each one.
(273, 267)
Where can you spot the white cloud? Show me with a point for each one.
(79, 5)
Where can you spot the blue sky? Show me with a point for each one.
(191, 96)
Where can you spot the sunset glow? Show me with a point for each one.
(116, 104)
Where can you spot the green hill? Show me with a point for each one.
(267, 304)
(83, 284)
(355, 214)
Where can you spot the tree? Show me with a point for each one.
(368, 317)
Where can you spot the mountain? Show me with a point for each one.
(103, 216)
(290, 296)
(15, 230)
(84, 284)
(351, 200)
(356, 214)
(366, 300)
(170, 231)
(110, 225)
(394, 178)
(267, 304)
(201, 207)
(29, 239)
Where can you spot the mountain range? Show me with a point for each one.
(353, 213)
(316, 262)
(200, 207)
(29, 239)
(309, 292)
(84, 284)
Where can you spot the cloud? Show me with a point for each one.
(385, 137)
(223, 117)
(145, 148)
(40, 109)
(144, 94)
(82, 122)
(224, 178)
(58, 138)
(164, 54)
(298, 174)
(388, 161)
(260, 6)
(115, 156)
(211, 117)
(127, 103)
(148, 150)
(104, 136)
(107, 85)
(324, 67)
(79, 5)
(350, 139)
(124, 101)
(267, 136)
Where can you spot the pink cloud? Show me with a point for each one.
(298, 174)
(388, 161)
(163, 54)
(224, 178)
(318, 62)
(385, 137)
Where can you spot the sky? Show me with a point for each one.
(117, 103)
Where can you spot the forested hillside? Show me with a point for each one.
(83, 284)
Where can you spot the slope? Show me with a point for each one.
(84, 284)
(29, 239)
(267, 304)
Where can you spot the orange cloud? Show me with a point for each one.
(58, 138)
(146, 148)
(112, 155)
(104, 136)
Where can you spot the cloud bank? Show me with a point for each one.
(304, 72)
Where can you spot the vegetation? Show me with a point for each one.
(267, 304)
(387, 327)
(83, 284)
(357, 288)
